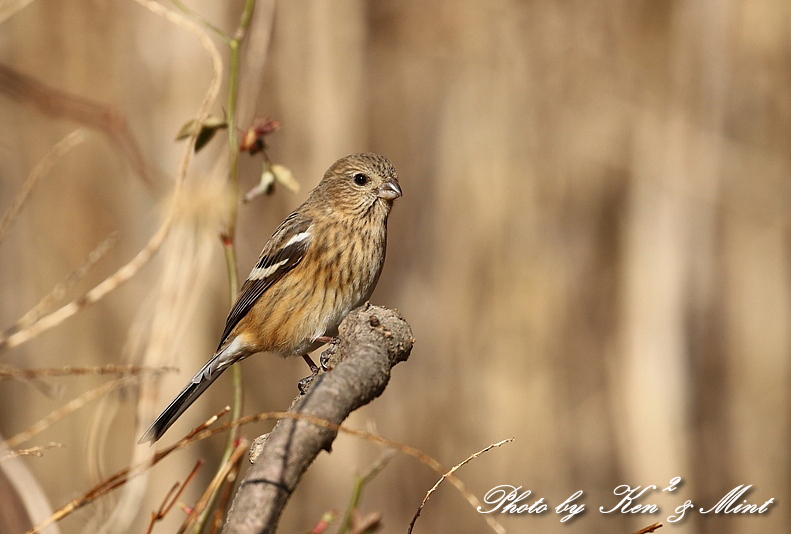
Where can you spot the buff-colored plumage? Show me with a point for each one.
(321, 262)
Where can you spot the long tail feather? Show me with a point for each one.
(183, 400)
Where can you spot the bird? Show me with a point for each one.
(321, 262)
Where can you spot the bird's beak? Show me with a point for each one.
(390, 190)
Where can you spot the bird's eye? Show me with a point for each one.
(360, 179)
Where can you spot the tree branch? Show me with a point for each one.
(372, 340)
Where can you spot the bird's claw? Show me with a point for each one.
(305, 383)
(326, 356)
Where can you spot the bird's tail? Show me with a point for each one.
(183, 400)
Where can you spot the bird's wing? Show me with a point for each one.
(284, 250)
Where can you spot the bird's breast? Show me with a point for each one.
(336, 276)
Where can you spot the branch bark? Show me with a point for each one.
(372, 340)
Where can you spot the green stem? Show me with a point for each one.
(229, 238)
(359, 486)
(354, 502)
(190, 13)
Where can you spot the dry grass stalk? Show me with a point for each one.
(46, 304)
(129, 270)
(45, 165)
(218, 479)
(225, 498)
(66, 409)
(60, 104)
(203, 431)
(168, 501)
(91, 297)
(169, 304)
(448, 474)
(9, 372)
(122, 476)
(33, 451)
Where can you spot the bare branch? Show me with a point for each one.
(372, 341)
(369, 336)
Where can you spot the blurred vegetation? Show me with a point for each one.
(592, 249)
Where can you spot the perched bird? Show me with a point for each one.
(321, 262)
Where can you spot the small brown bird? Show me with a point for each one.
(321, 262)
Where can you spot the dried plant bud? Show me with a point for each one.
(271, 174)
(284, 176)
(264, 187)
(325, 522)
(253, 139)
(205, 130)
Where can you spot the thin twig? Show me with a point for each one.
(46, 304)
(61, 148)
(448, 474)
(649, 528)
(359, 486)
(225, 499)
(39, 383)
(122, 476)
(59, 104)
(33, 451)
(229, 235)
(168, 502)
(198, 18)
(66, 409)
(368, 436)
(216, 483)
(8, 372)
(203, 431)
(129, 270)
(34, 376)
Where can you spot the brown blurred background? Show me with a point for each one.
(592, 248)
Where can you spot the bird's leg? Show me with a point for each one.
(313, 367)
(305, 382)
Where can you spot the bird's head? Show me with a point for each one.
(361, 184)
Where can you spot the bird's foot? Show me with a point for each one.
(325, 360)
(305, 383)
